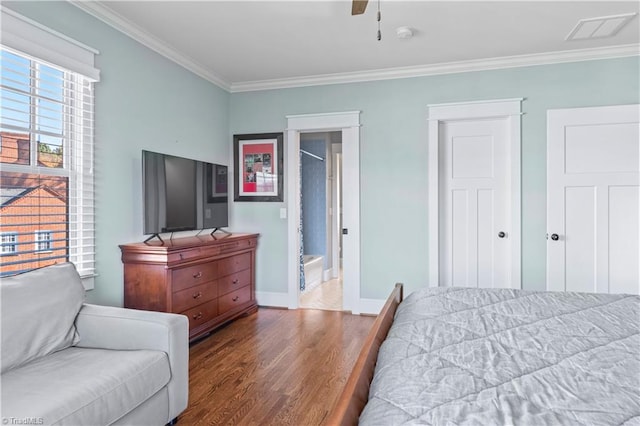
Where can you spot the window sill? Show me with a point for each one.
(88, 282)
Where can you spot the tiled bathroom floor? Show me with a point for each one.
(326, 296)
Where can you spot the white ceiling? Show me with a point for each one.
(246, 45)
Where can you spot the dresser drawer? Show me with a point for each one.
(237, 245)
(194, 296)
(190, 276)
(184, 255)
(234, 264)
(233, 282)
(202, 313)
(229, 301)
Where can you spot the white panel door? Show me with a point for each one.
(593, 213)
(474, 203)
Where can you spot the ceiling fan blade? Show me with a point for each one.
(358, 7)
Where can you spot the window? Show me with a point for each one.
(46, 157)
(43, 241)
(9, 243)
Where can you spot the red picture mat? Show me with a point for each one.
(256, 157)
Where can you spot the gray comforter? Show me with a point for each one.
(509, 357)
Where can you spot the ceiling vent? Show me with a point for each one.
(602, 27)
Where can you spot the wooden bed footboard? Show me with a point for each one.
(356, 391)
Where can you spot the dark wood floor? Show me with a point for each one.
(275, 367)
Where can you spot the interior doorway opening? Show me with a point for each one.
(348, 125)
(321, 284)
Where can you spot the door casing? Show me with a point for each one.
(349, 124)
(511, 111)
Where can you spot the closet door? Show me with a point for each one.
(474, 194)
(474, 203)
(593, 199)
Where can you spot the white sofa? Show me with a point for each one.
(65, 362)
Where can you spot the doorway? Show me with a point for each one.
(474, 194)
(321, 201)
(347, 124)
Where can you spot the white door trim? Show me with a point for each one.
(336, 160)
(510, 109)
(349, 123)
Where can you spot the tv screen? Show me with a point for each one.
(180, 194)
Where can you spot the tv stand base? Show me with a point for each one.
(154, 236)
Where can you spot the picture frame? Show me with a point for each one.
(258, 167)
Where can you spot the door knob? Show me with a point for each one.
(501, 234)
(555, 237)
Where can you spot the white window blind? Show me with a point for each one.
(46, 161)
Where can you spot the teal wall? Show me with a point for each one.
(145, 101)
(393, 157)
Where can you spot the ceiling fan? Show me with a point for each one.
(358, 7)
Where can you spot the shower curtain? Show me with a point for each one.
(302, 279)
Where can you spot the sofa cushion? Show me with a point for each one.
(38, 313)
(79, 386)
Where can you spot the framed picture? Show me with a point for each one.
(259, 167)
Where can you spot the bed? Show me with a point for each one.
(497, 357)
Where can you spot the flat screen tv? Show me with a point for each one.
(180, 194)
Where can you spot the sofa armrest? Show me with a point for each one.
(107, 327)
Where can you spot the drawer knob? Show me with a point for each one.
(235, 281)
(198, 275)
(198, 316)
(235, 299)
(197, 295)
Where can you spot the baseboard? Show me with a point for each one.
(310, 285)
(371, 306)
(271, 299)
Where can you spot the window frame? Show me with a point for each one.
(30, 39)
(13, 244)
(38, 241)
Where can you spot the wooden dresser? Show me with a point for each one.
(209, 279)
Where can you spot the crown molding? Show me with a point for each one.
(103, 13)
(443, 68)
(126, 27)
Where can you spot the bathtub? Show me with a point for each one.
(313, 265)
